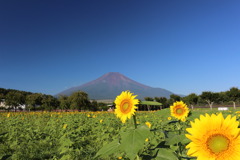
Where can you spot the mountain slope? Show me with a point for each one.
(112, 84)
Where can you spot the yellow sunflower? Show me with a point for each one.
(8, 115)
(148, 124)
(125, 105)
(214, 138)
(64, 126)
(179, 110)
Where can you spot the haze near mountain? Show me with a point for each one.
(112, 84)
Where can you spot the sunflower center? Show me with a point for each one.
(125, 107)
(217, 143)
(179, 111)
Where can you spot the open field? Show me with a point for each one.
(80, 135)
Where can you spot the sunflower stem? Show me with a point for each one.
(135, 121)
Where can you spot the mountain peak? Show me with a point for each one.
(115, 79)
(112, 73)
(112, 84)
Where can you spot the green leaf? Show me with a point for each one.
(174, 148)
(108, 149)
(66, 142)
(133, 140)
(185, 140)
(174, 139)
(66, 157)
(166, 154)
(2, 134)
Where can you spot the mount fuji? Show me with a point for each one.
(112, 84)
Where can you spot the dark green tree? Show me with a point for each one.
(34, 100)
(1, 97)
(162, 100)
(148, 99)
(209, 97)
(14, 99)
(175, 97)
(3, 91)
(79, 100)
(64, 102)
(94, 105)
(191, 99)
(233, 95)
(102, 106)
(49, 102)
(223, 98)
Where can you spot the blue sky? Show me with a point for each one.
(186, 46)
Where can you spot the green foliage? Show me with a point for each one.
(175, 97)
(166, 154)
(233, 94)
(79, 100)
(109, 149)
(191, 99)
(208, 96)
(162, 100)
(14, 99)
(132, 141)
(49, 102)
(64, 102)
(148, 99)
(94, 135)
(33, 100)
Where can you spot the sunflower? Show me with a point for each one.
(148, 124)
(214, 138)
(125, 105)
(179, 110)
(8, 115)
(64, 126)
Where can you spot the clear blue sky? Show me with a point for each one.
(185, 46)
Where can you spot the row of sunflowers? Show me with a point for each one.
(211, 136)
(168, 134)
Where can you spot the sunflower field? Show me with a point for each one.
(169, 134)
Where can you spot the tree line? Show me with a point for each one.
(15, 99)
(80, 100)
(230, 97)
